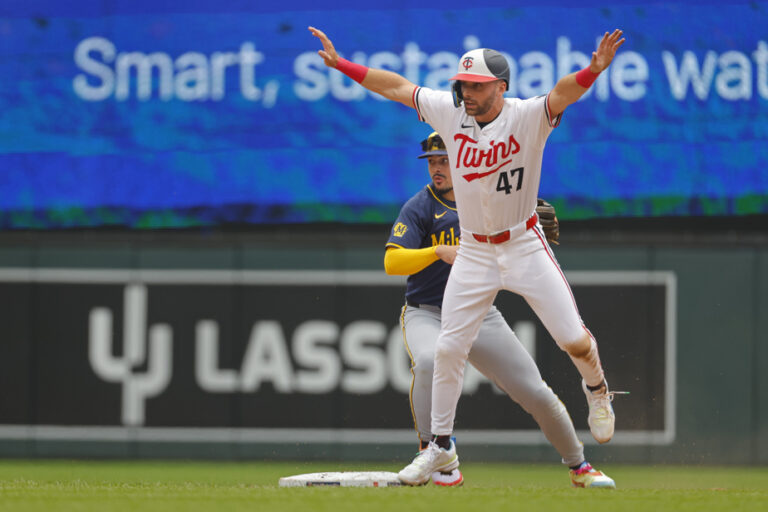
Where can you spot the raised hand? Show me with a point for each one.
(603, 56)
(328, 53)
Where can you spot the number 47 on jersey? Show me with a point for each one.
(507, 177)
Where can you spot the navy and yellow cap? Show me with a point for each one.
(433, 146)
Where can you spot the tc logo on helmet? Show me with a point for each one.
(467, 62)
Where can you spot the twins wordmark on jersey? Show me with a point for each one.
(471, 156)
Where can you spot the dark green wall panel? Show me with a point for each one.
(721, 335)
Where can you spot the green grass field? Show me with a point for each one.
(252, 486)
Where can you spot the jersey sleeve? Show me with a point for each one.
(536, 112)
(405, 262)
(433, 107)
(409, 229)
(553, 122)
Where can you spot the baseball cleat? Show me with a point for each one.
(452, 478)
(428, 461)
(601, 418)
(587, 476)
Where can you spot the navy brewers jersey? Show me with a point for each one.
(426, 220)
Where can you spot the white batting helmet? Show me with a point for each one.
(482, 65)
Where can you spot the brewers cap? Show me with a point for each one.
(433, 146)
(483, 65)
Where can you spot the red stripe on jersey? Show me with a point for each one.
(475, 175)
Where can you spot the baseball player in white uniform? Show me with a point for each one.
(495, 146)
(423, 245)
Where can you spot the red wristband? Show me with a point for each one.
(354, 71)
(586, 78)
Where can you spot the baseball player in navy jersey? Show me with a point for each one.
(423, 245)
(495, 146)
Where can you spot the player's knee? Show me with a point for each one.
(537, 398)
(423, 364)
(553, 406)
(449, 350)
(576, 347)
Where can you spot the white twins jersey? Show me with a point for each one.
(495, 169)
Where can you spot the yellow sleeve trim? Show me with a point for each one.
(399, 261)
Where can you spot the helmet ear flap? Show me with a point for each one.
(457, 96)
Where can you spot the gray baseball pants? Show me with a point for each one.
(499, 355)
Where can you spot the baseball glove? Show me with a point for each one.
(548, 221)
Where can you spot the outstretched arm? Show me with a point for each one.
(390, 85)
(571, 87)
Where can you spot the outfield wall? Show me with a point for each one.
(254, 346)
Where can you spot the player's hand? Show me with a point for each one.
(447, 253)
(328, 53)
(603, 56)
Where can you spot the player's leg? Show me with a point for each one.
(498, 354)
(468, 295)
(547, 291)
(420, 329)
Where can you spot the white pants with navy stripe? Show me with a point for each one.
(524, 265)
